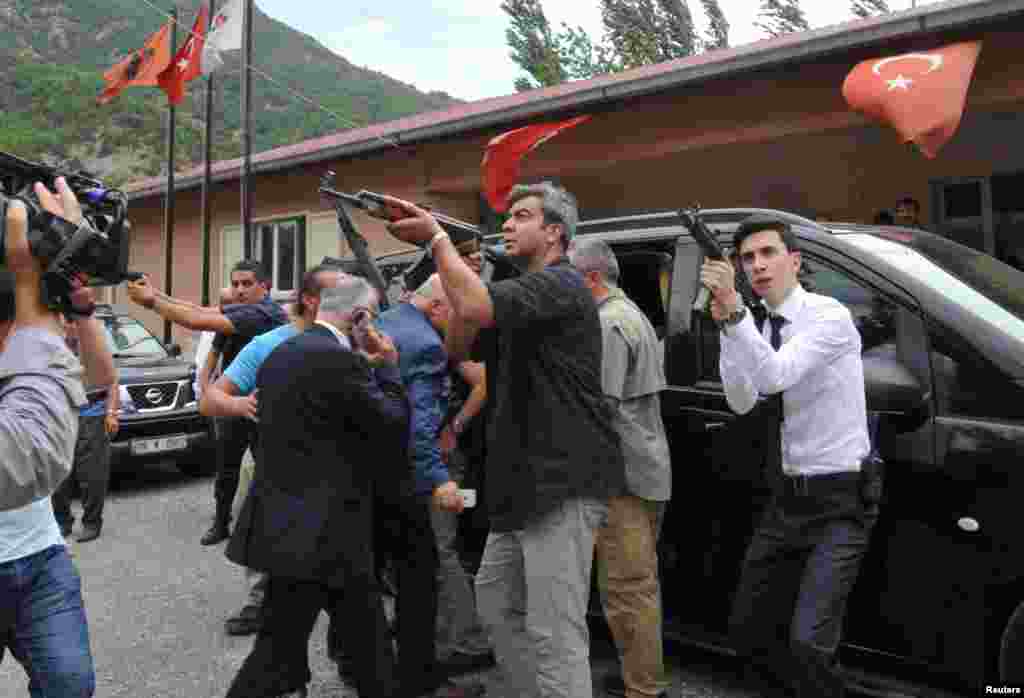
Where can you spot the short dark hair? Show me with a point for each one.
(910, 201)
(757, 222)
(7, 305)
(884, 218)
(311, 284)
(255, 266)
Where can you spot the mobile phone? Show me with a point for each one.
(375, 205)
(468, 498)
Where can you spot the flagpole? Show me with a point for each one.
(207, 152)
(247, 131)
(169, 202)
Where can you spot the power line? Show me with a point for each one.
(269, 78)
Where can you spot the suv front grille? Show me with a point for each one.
(154, 396)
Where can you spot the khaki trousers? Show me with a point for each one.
(627, 566)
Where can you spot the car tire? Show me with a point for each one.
(1011, 649)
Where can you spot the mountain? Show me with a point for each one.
(56, 51)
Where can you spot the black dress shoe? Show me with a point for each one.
(88, 533)
(246, 622)
(218, 532)
(458, 663)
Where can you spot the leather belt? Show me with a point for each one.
(808, 485)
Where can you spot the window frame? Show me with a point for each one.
(298, 249)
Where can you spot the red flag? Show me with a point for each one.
(506, 151)
(141, 67)
(922, 95)
(187, 63)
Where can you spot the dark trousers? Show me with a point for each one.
(90, 475)
(234, 436)
(797, 575)
(405, 535)
(279, 660)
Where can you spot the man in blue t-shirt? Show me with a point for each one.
(233, 396)
(253, 314)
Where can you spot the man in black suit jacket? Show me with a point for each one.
(333, 421)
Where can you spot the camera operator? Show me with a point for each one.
(42, 617)
(253, 314)
(553, 455)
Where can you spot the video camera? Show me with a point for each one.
(93, 253)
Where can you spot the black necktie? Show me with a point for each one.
(773, 441)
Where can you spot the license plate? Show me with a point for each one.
(142, 447)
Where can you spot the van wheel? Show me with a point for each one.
(1011, 649)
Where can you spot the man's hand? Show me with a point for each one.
(63, 203)
(378, 348)
(417, 227)
(248, 406)
(720, 278)
(112, 424)
(447, 497)
(142, 292)
(18, 256)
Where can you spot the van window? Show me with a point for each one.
(967, 385)
(645, 276)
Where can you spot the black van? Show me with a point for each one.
(940, 601)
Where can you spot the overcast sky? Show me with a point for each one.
(458, 46)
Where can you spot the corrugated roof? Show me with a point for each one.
(498, 111)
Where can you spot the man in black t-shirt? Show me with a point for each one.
(553, 456)
(252, 314)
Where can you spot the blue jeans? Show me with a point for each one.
(42, 621)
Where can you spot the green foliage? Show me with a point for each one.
(718, 25)
(778, 17)
(637, 32)
(867, 8)
(54, 55)
(534, 46)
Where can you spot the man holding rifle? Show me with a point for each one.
(807, 551)
(553, 456)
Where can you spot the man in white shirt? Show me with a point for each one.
(807, 551)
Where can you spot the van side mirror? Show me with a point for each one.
(894, 392)
(173, 348)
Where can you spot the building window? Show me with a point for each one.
(281, 246)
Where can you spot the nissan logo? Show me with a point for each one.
(154, 395)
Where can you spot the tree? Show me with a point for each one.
(649, 31)
(867, 8)
(534, 46)
(718, 25)
(778, 17)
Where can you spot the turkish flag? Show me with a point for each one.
(505, 152)
(187, 63)
(142, 67)
(922, 95)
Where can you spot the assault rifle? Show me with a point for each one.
(712, 250)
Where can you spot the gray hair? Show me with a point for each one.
(595, 255)
(351, 292)
(557, 204)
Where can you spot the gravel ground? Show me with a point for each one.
(157, 600)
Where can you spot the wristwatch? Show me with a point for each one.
(735, 318)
